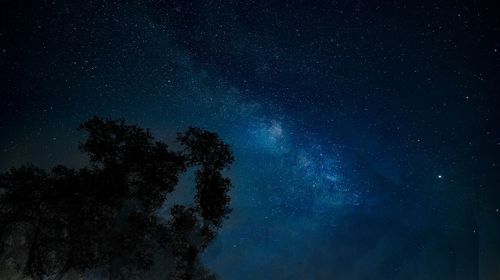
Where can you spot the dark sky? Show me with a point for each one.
(366, 133)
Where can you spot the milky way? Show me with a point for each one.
(365, 135)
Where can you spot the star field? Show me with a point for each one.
(365, 134)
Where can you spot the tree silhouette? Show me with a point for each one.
(106, 215)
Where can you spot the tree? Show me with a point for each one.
(105, 215)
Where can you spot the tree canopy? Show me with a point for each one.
(106, 215)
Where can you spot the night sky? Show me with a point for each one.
(366, 133)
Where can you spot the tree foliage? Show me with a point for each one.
(106, 215)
